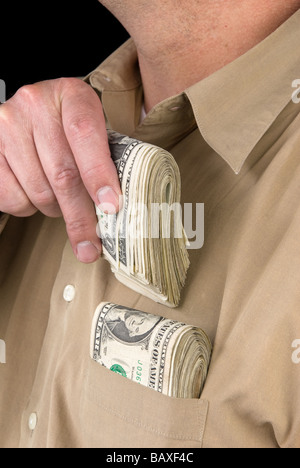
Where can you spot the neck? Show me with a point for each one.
(180, 44)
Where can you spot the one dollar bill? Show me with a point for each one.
(167, 356)
(145, 242)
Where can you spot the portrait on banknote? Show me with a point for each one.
(128, 326)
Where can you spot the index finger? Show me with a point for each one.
(85, 129)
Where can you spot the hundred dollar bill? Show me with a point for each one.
(145, 242)
(162, 354)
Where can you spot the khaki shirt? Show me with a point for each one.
(236, 138)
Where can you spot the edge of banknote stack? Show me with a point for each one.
(145, 243)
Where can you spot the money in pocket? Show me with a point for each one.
(167, 356)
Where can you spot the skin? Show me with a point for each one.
(54, 154)
(180, 42)
(54, 158)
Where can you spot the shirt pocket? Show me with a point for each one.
(118, 413)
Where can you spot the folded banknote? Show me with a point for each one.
(145, 243)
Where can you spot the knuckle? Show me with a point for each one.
(18, 112)
(25, 211)
(73, 87)
(8, 124)
(19, 206)
(81, 127)
(66, 179)
(98, 169)
(77, 228)
(69, 83)
(28, 94)
(5, 113)
(44, 198)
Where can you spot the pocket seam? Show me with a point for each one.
(202, 411)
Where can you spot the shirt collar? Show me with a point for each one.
(236, 106)
(233, 107)
(119, 83)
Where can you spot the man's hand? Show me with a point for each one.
(55, 158)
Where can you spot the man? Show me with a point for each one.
(215, 80)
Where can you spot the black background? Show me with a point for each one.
(45, 40)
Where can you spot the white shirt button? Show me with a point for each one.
(69, 293)
(32, 421)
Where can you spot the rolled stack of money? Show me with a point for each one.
(145, 242)
(167, 356)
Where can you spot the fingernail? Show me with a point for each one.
(87, 252)
(108, 200)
